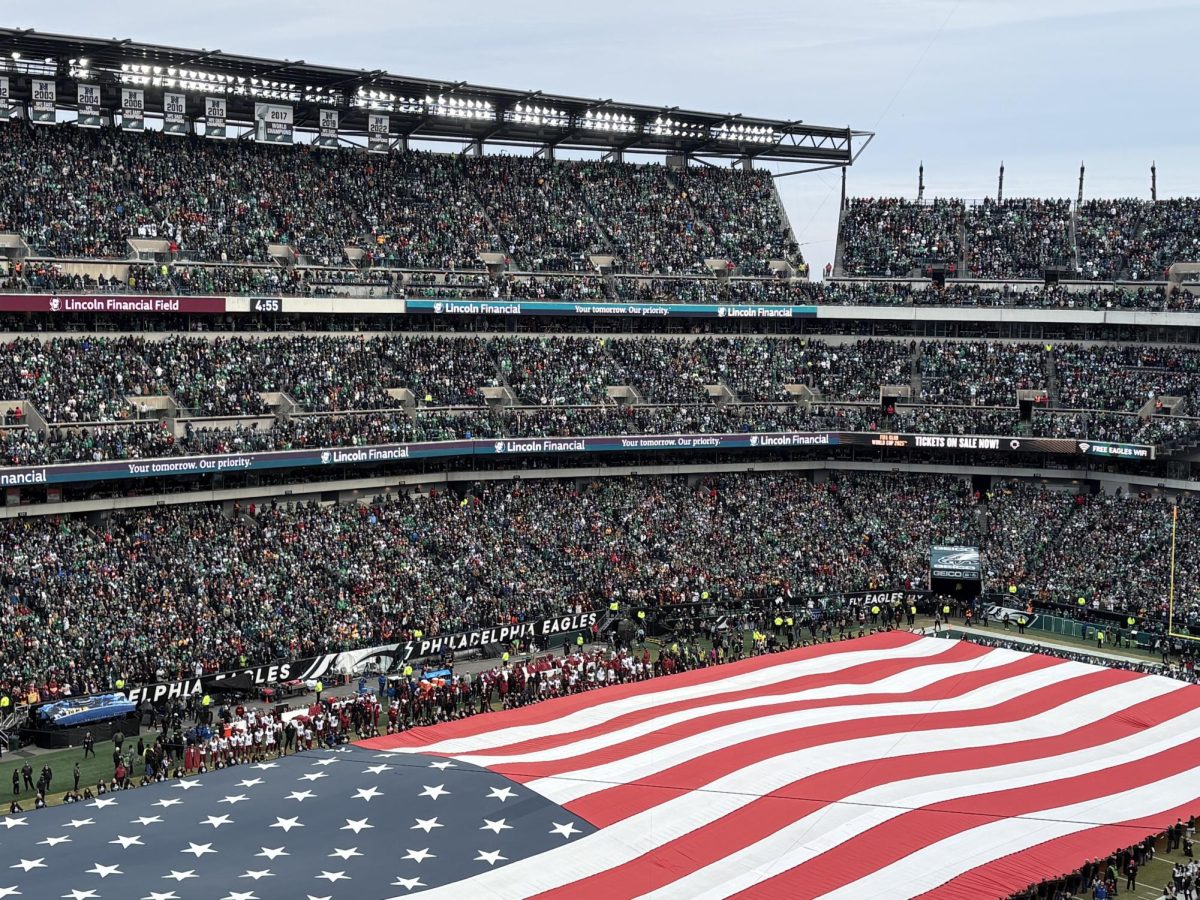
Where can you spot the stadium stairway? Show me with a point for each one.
(1052, 378)
(1073, 237)
(840, 246)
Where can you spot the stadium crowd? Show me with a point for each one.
(1018, 238)
(892, 237)
(71, 398)
(88, 603)
(1119, 239)
(86, 193)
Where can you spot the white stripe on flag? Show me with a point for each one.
(642, 833)
(573, 785)
(813, 835)
(904, 682)
(603, 712)
(937, 863)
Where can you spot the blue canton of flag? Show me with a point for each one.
(321, 825)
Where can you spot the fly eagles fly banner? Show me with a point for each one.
(500, 634)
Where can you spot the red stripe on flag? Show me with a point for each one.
(1056, 858)
(762, 818)
(865, 674)
(621, 801)
(549, 710)
(895, 839)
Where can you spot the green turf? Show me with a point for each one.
(61, 762)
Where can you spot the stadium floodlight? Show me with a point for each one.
(459, 108)
(665, 126)
(607, 121)
(16, 54)
(741, 133)
(524, 114)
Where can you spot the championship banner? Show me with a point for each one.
(174, 114)
(378, 138)
(44, 94)
(214, 117)
(4, 97)
(87, 105)
(273, 124)
(133, 109)
(327, 134)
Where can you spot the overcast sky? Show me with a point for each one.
(960, 84)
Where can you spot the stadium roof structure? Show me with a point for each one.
(420, 109)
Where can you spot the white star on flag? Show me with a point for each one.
(161, 895)
(490, 857)
(443, 765)
(198, 850)
(55, 841)
(501, 794)
(188, 784)
(104, 871)
(127, 842)
(250, 782)
(367, 794)
(409, 883)
(182, 876)
(258, 873)
(333, 876)
(377, 770)
(419, 855)
(81, 895)
(101, 802)
(272, 852)
(346, 854)
(427, 825)
(287, 824)
(234, 798)
(565, 830)
(10, 823)
(434, 792)
(216, 821)
(355, 825)
(164, 803)
(147, 820)
(28, 864)
(300, 796)
(497, 826)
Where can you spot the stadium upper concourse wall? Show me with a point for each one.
(354, 490)
(456, 310)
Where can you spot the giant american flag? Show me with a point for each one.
(889, 766)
